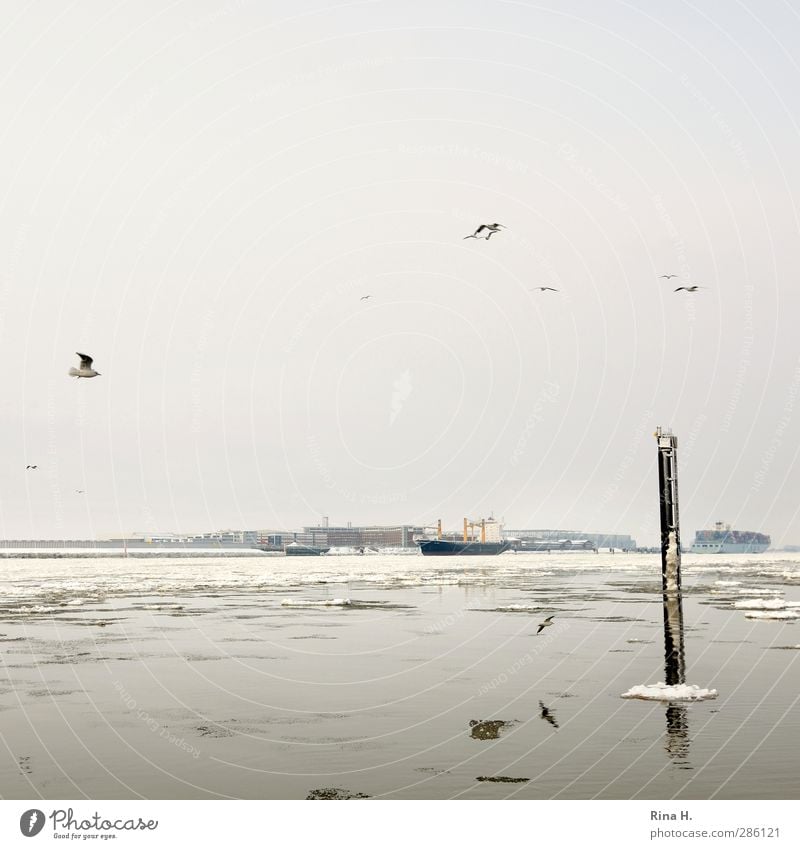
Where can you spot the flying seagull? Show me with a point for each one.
(81, 491)
(545, 714)
(545, 624)
(86, 369)
(668, 276)
(485, 231)
(687, 288)
(365, 297)
(543, 289)
(31, 467)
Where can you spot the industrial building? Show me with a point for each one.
(621, 541)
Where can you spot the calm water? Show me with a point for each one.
(228, 678)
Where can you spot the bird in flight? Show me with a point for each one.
(365, 297)
(81, 491)
(85, 369)
(668, 276)
(687, 288)
(545, 624)
(543, 289)
(31, 467)
(545, 714)
(485, 231)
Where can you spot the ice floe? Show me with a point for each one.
(764, 604)
(662, 692)
(756, 591)
(328, 602)
(773, 614)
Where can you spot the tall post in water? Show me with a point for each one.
(674, 659)
(668, 504)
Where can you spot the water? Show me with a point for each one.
(193, 678)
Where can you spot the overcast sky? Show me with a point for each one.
(198, 194)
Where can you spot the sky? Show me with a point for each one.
(198, 194)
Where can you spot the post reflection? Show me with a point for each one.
(677, 740)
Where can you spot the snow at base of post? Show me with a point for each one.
(673, 563)
(665, 693)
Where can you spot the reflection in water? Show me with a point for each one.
(677, 742)
(547, 715)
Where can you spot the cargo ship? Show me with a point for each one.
(442, 547)
(723, 540)
(467, 545)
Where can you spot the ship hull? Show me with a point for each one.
(445, 548)
(729, 548)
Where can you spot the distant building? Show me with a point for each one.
(597, 540)
(358, 536)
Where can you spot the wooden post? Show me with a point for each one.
(668, 506)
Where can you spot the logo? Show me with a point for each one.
(31, 822)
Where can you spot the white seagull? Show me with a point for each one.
(668, 276)
(485, 231)
(365, 297)
(86, 369)
(545, 624)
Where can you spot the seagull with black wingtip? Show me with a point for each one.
(547, 622)
(485, 231)
(85, 369)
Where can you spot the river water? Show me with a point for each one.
(395, 677)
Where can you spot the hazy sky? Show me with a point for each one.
(199, 193)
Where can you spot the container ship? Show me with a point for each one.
(490, 542)
(723, 540)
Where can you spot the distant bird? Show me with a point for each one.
(547, 622)
(31, 467)
(688, 288)
(546, 714)
(668, 276)
(81, 491)
(543, 289)
(86, 369)
(485, 231)
(365, 297)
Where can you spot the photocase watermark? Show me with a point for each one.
(681, 264)
(548, 395)
(320, 306)
(99, 142)
(321, 72)
(440, 625)
(13, 264)
(525, 660)
(33, 821)
(153, 724)
(571, 155)
(315, 452)
(733, 142)
(768, 455)
(53, 428)
(219, 14)
(401, 392)
(464, 152)
(197, 381)
(745, 360)
(162, 214)
(644, 425)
